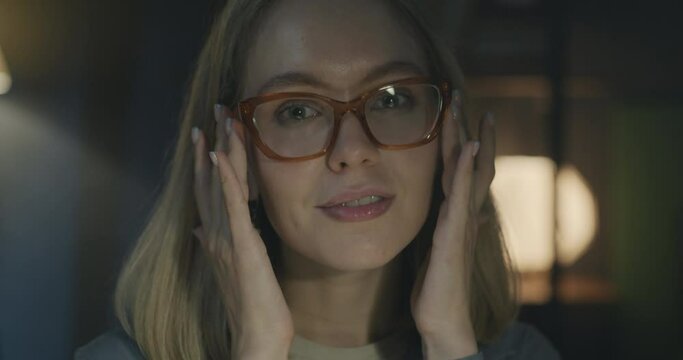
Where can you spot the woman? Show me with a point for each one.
(346, 212)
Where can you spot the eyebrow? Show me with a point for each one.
(292, 78)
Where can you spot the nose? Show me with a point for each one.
(352, 148)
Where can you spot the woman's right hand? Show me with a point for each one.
(259, 320)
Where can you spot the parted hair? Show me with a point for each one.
(166, 296)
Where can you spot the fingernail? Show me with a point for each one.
(490, 118)
(213, 157)
(217, 111)
(195, 135)
(476, 148)
(228, 125)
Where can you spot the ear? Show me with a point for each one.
(242, 133)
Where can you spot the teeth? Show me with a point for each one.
(364, 201)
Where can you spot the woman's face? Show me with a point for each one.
(341, 44)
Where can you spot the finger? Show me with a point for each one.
(219, 114)
(450, 145)
(220, 228)
(419, 277)
(202, 175)
(459, 202)
(216, 201)
(449, 137)
(485, 160)
(239, 219)
(238, 156)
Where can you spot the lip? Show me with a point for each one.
(354, 195)
(334, 209)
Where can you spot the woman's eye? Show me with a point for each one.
(295, 113)
(391, 101)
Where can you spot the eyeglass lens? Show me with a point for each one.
(302, 126)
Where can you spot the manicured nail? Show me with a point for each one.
(217, 111)
(195, 135)
(213, 157)
(476, 149)
(490, 118)
(228, 125)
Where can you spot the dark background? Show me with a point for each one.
(86, 130)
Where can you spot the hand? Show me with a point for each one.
(440, 296)
(259, 320)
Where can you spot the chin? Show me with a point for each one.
(360, 262)
(361, 252)
(352, 246)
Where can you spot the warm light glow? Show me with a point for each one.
(523, 191)
(5, 78)
(577, 217)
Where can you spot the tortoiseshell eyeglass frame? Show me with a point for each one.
(245, 110)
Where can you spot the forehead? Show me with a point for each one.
(337, 41)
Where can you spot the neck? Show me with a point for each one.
(344, 309)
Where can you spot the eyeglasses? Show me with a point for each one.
(297, 126)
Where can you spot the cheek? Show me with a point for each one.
(286, 191)
(289, 190)
(417, 168)
(417, 173)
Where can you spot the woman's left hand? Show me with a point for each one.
(440, 296)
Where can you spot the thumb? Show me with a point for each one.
(419, 278)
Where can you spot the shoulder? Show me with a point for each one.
(113, 344)
(520, 341)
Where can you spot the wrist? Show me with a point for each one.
(452, 351)
(263, 355)
(449, 345)
(270, 352)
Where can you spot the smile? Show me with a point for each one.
(363, 209)
(363, 201)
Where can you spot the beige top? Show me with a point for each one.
(519, 342)
(394, 346)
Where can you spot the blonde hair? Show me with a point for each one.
(166, 297)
